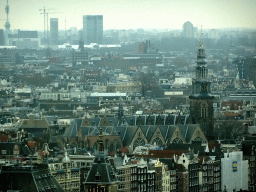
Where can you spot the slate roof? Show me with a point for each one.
(73, 129)
(9, 146)
(101, 167)
(34, 123)
(29, 178)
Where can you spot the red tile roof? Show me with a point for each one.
(124, 150)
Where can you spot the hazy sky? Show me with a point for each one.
(126, 14)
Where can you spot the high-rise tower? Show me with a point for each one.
(201, 102)
(54, 31)
(93, 29)
(188, 29)
(7, 23)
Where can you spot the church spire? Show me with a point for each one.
(201, 101)
(201, 70)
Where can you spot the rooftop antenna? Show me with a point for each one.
(201, 37)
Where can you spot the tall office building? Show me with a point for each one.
(1, 37)
(54, 31)
(188, 29)
(93, 29)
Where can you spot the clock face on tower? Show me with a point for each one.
(204, 87)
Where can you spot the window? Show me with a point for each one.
(204, 110)
(4, 152)
(177, 141)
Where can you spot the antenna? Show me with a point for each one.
(7, 23)
(65, 31)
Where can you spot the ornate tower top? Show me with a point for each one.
(201, 56)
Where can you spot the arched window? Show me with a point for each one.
(198, 139)
(138, 142)
(177, 141)
(204, 111)
(157, 141)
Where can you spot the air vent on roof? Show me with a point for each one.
(53, 187)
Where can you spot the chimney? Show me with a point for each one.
(246, 127)
(31, 117)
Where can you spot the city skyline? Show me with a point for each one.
(125, 14)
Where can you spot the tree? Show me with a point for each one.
(230, 129)
(148, 83)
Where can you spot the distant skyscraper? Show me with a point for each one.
(7, 24)
(188, 29)
(1, 37)
(93, 29)
(54, 31)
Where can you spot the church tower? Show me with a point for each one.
(201, 102)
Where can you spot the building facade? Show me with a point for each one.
(24, 39)
(54, 33)
(1, 37)
(93, 29)
(188, 29)
(234, 171)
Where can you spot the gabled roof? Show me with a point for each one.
(73, 129)
(34, 123)
(103, 169)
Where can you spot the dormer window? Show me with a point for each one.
(97, 177)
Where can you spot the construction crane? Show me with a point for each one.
(44, 12)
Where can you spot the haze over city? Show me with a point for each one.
(128, 95)
(125, 14)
